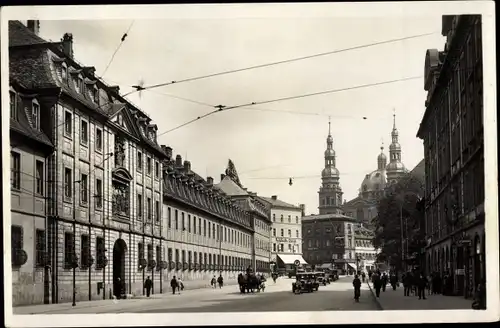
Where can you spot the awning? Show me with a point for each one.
(291, 258)
(352, 265)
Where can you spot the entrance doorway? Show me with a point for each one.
(119, 251)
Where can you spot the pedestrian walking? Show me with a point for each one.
(174, 285)
(384, 281)
(148, 284)
(363, 276)
(377, 283)
(357, 288)
(180, 285)
(407, 283)
(421, 283)
(394, 281)
(220, 280)
(213, 283)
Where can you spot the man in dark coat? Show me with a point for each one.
(377, 283)
(148, 284)
(174, 284)
(357, 287)
(363, 276)
(407, 283)
(394, 280)
(384, 279)
(220, 280)
(421, 283)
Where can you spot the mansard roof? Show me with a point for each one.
(188, 188)
(31, 63)
(231, 188)
(331, 217)
(22, 125)
(279, 203)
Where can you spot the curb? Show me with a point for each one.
(377, 302)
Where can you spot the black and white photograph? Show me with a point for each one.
(272, 163)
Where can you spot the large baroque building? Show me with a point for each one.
(453, 137)
(94, 196)
(328, 238)
(286, 237)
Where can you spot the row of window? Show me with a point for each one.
(190, 257)
(15, 175)
(69, 183)
(84, 138)
(282, 233)
(204, 227)
(84, 131)
(149, 165)
(289, 219)
(149, 208)
(327, 243)
(281, 248)
(330, 229)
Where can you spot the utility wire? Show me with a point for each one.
(221, 108)
(288, 60)
(118, 48)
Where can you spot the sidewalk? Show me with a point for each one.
(102, 305)
(395, 300)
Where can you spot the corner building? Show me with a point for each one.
(286, 231)
(453, 136)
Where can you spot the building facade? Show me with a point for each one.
(452, 133)
(260, 221)
(30, 149)
(206, 232)
(366, 254)
(329, 237)
(286, 236)
(97, 204)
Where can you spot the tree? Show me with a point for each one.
(400, 201)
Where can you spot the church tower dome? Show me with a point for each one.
(330, 192)
(395, 168)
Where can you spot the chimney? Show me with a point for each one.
(34, 26)
(222, 176)
(303, 209)
(274, 197)
(187, 166)
(210, 180)
(178, 161)
(167, 151)
(67, 43)
(114, 89)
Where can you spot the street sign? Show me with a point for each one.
(297, 262)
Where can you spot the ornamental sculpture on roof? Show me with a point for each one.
(232, 173)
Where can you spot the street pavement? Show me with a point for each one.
(278, 296)
(395, 300)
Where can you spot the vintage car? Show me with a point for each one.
(321, 278)
(334, 275)
(305, 283)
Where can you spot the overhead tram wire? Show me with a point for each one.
(138, 88)
(154, 86)
(220, 108)
(118, 48)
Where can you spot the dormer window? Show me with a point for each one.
(152, 135)
(13, 105)
(120, 119)
(81, 85)
(95, 95)
(64, 73)
(35, 115)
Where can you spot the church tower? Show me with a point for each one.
(395, 168)
(330, 193)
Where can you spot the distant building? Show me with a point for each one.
(329, 237)
(374, 184)
(453, 136)
(286, 236)
(366, 254)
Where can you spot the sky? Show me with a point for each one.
(268, 146)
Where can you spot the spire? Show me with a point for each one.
(381, 159)
(395, 166)
(329, 126)
(394, 119)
